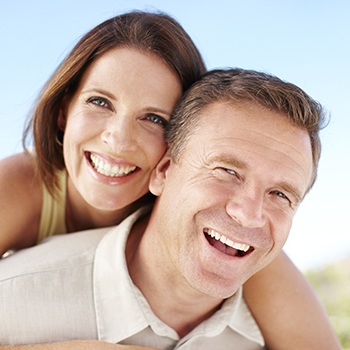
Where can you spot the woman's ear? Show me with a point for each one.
(62, 116)
(159, 174)
(61, 120)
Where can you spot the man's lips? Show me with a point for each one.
(110, 169)
(226, 245)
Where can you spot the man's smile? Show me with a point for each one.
(226, 245)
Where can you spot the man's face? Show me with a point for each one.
(226, 207)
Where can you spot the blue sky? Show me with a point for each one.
(304, 42)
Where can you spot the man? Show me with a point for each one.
(243, 152)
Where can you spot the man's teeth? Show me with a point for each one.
(227, 241)
(107, 169)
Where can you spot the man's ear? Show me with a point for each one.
(159, 174)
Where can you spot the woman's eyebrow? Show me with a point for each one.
(159, 110)
(113, 97)
(100, 91)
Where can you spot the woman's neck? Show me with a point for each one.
(80, 215)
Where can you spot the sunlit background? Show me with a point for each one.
(304, 42)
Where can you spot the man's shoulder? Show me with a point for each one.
(55, 253)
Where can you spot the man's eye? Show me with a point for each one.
(281, 195)
(98, 101)
(230, 171)
(157, 119)
(226, 173)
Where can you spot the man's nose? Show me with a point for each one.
(247, 209)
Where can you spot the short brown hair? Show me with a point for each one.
(239, 86)
(156, 33)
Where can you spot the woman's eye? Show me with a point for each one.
(98, 101)
(157, 120)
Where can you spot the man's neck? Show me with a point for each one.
(171, 298)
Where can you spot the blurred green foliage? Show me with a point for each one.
(332, 285)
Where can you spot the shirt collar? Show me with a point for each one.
(118, 312)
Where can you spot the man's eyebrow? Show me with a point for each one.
(229, 161)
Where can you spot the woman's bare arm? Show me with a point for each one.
(287, 310)
(77, 345)
(20, 202)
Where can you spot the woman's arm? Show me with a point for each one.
(77, 345)
(20, 202)
(287, 310)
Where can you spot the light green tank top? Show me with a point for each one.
(53, 216)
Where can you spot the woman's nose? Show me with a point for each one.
(120, 134)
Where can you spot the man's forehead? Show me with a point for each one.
(230, 118)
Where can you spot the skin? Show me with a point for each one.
(78, 345)
(242, 174)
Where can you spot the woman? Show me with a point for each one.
(98, 134)
(34, 179)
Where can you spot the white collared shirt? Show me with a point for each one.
(77, 286)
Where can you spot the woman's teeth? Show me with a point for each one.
(108, 169)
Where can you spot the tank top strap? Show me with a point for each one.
(53, 217)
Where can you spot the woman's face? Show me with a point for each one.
(114, 124)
